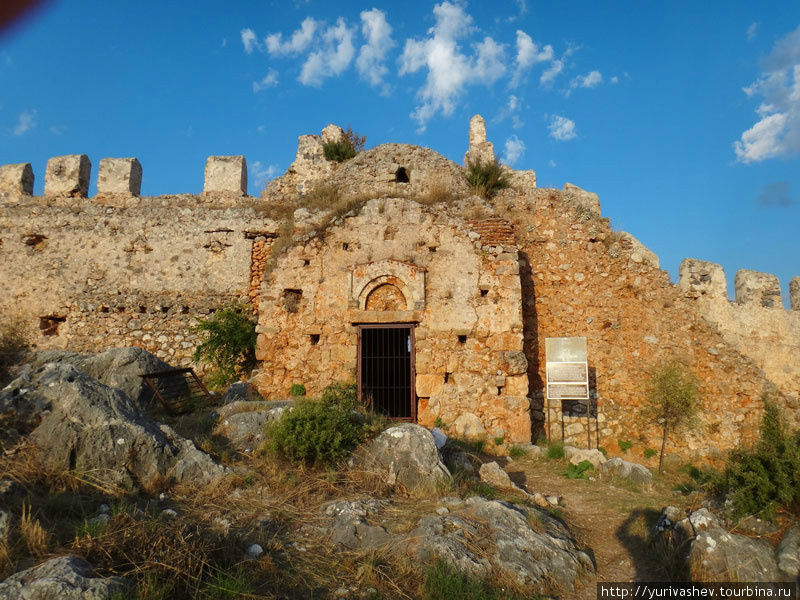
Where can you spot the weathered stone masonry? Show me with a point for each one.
(481, 283)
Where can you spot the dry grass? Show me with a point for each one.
(439, 192)
(34, 536)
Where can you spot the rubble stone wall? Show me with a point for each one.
(88, 275)
(470, 371)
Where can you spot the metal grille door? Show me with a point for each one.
(386, 370)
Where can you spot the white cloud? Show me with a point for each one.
(528, 54)
(25, 122)
(270, 80)
(752, 31)
(511, 109)
(370, 61)
(551, 163)
(57, 129)
(562, 129)
(590, 80)
(260, 173)
(615, 79)
(224, 42)
(333, 58)
(300, 40)
(514, 149)
(249, 40)
(556, 67)
(777, 133)
(449, 69)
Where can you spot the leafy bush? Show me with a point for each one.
(555, 450)
(297, 389)
(673, 394)
(344, 148)
(319, 431)
(487, 178)
(762, 479)
(624, 445)
(650, 453)
(517, 452)
(230, 343)
(579, 471)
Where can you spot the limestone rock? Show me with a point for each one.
(244, 429)
(640, 252)
(332, 133)
(406, 455)
(578, 455)
(349, 527)
(759, 289)
(788, 554)
(717, 555)
(120, 368)
(794, 293)
(468, 426)
(16, 180)
(119, 176)
(635, 473)
(65, 578)
(507, 544)
(67, 176)
(698, 521)
(495, 475)
(480, 151)
(516, 362)
(79, 423)
(241, 390)
(702, 278)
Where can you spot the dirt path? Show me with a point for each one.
(611, 521)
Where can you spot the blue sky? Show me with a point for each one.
(684, 116)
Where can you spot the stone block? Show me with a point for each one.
(16, 179)
(119, 176)
(588, 200)
(760, 289)
(68, 176)
(702, 278)
(480, 151)
(226, 174)
(794, 293)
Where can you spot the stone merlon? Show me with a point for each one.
(226, 174)
(16, 179)
(67, 176)
(119, 176)
(761, 289)
(794, 293)
(702, 278)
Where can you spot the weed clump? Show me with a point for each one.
(322, 430)
(14, 342)
(230, 343)
(344, 148)
(555, 451)
(487, 178)
(761, 480)
(579, 471)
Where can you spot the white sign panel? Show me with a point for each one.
(567, 368)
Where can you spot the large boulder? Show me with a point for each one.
(577, 455)
(120, 368)
(637, 474)
(406, 455)
(241, 391)
(788, 554)
(486, 536)
(348, 525)
(79, 423)
(716, 555)
(65, 578)
(495, 476)
(241, 423)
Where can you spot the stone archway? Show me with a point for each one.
(386, 296)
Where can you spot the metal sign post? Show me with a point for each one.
(568, 375)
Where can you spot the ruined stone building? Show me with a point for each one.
(386, 270)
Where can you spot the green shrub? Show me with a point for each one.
(439, 423)
(498, 441)
(229, 345)
(345, 148)
(555, 450)
(624, 445)
(761, 480)
(319, 431)
(297, 389)
(650, 452)
(487, 178)
(603, 451)
(579, 471)
(517, 452)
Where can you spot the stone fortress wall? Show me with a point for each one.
(120, 269)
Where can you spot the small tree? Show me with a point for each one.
(230, 343)
(673, 395)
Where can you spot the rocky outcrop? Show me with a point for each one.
(349, 528)
(578, 455)
(120, 368)
(717, 555)
(79, 423)
(65, 578)
(242, 423)
(788, 553)
(405, 455)
(482, 536)
(637, 474)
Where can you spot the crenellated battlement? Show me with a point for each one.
(69, 175)
(699, 278)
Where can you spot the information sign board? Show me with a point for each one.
(567, 368)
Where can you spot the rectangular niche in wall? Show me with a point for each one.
(386, 370)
